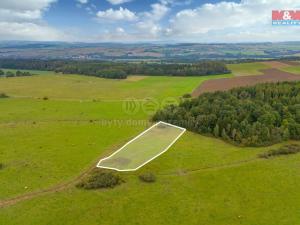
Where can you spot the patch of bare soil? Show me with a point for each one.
(135, 78)
(223, 84)
(293, 63)
(276, 64)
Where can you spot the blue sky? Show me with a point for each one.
(144, 20)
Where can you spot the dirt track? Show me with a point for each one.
(223, 84)
(57, 188)
(70, 184)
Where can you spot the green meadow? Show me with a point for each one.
(76, 87)
(247, 69)
(200, 180)
(292, 69)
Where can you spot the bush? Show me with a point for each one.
(45, 98)
(3, 95)
(148, 177)
(1, 166)
(187, 95)
(100, 179)
(284, 150)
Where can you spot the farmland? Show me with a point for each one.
(46, 142)
(246, 74)
(246, 69)
(39, 126)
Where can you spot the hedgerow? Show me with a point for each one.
(284, 150)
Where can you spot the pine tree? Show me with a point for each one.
(217, 131)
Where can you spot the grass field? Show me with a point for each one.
(75, 87)
(143, 148)
(200, 180)
(41, 139)
(292, 69)
(247, 69)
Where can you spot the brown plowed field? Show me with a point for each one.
(276, 64)
(292, 63)
(223, 84)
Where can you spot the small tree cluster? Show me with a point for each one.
(16, 74)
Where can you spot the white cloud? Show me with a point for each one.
(150, 21)
(83, 1)
(118, 2)
(158, 11)
(29, 31)
(117, 15)
(22, 20)
(23, 10)
(229, 19)
(25, 4)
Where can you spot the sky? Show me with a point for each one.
(203, 21)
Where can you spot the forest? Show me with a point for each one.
(260, 115)
(118, 70)
(14, 74)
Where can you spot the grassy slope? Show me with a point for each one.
(247, 69)
(45, 142)
(228, 185)
(258, 192)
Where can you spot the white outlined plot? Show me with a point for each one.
(143, 148)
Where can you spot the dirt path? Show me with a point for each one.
(71, 183)
(223, 84)
(212, 168)
(57, 188)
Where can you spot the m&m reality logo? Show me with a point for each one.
(286, 17)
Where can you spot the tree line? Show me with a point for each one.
(14, 74)
(252, 60)
(248, 116)
(118, 70)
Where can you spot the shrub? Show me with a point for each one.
(187, 95)
(1, 166)
(100, 179)
(148, 177)
(3, 95)
(284, 150)
(45, 98)
(10, 74)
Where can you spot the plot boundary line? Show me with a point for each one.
(166, 149)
